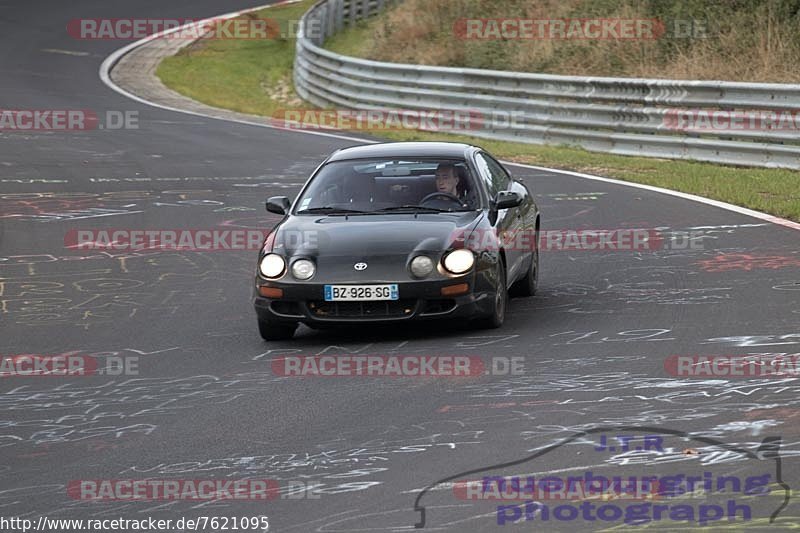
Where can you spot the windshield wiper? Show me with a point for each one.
(413, 208)
(329, 210)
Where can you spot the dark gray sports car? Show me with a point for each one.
(394, 232)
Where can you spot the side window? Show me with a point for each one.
(500, 177)
(486, 173)
(495, 176)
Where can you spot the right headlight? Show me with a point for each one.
(458, 261)
(272, 266)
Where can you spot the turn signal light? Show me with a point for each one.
(454, 290)
(270, 292)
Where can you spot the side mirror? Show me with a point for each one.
(278, 204)
(507, 200)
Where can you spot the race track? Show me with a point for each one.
(206, 402)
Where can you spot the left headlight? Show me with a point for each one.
(458, 261)
(272, 266)
(303, 269)
(421, 266)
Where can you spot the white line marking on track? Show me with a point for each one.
(64, 52)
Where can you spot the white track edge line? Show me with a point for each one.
(686, 196)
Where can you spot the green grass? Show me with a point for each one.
(254, 77)
(354, 41)
(745, 40)
(250, 76)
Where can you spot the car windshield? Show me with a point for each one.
(390, 185)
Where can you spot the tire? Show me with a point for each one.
(271, 331)
(527, 286)
(498, 315)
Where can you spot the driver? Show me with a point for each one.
(451, 179)
(447, 179)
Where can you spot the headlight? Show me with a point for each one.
(272, 266)
(303, 269)
(458, 261)
(421, 266)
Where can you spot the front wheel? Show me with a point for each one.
(527, 286)
(498, 315)
(271, 331)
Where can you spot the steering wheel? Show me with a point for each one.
(445, 195)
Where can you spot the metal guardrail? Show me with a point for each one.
(627, 116)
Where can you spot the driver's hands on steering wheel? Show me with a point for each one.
(444, 195)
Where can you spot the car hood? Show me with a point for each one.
(372, 234)
(384, 242)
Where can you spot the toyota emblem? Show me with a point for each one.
(360, 266)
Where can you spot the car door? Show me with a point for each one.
(524, 225)
(509, 221)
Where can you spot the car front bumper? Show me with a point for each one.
(418, 300)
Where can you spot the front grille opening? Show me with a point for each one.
(439, 306)
(286, 308)
(382, 309)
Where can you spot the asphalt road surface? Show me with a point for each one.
(203, 401)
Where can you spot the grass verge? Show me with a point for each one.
(249, 76)
(255, 77)
(745, 40)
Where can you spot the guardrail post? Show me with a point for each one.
(339, 14)
(353, 12)
(319, 36)
(330, 27)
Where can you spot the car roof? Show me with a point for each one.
(403, 149)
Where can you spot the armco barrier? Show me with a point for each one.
(627, 116)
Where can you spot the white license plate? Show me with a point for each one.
(360, 293)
